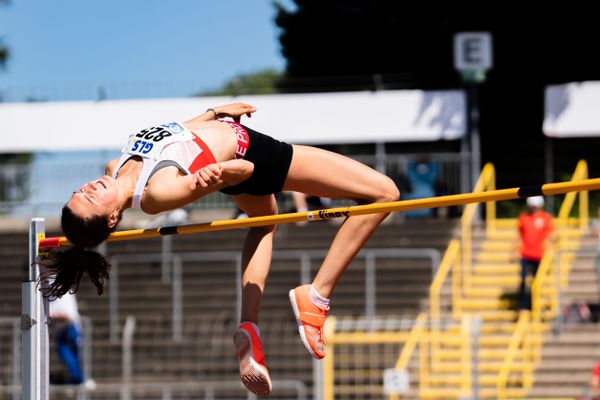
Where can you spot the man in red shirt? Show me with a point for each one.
(536, 228)
(594, 384)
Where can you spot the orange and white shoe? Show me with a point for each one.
(253, 372)
(310, 319)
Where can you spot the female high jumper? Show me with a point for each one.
(168, 166)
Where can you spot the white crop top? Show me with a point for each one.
(171, 143)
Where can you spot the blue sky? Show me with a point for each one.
(63, 48)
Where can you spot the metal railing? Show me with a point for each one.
(450, 264)
(526, 340)
(551, 276)
(205, 390)
(304, 257)
(486, 182)
(32, 189)
(520, 344)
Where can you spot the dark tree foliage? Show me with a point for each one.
(4, 51)
(409, 44)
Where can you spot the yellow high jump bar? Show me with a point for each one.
(403, 205)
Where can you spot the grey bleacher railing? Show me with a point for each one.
(304, 257)
(205, 390)
(32, 189)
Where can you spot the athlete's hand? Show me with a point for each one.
(235, 111)
(206, 176)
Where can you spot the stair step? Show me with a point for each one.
(484, 379)
(496, 292)
(502, 268)
(486, 367)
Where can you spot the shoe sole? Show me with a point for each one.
(292, 297)
(253, 375)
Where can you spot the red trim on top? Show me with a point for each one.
(243, 139)
(204, 158)
(49, 243)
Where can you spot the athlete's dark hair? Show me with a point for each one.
(67, 267)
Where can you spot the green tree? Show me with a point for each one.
(259, 82)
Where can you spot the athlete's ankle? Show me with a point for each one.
(318, 300)
(254, 325)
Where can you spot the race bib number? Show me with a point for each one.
(150, 142)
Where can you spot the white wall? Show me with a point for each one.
(572, 110)
(355, 117)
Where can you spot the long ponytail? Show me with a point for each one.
(66, 267)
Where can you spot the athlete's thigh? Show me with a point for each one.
(324, 173)
(256, 205)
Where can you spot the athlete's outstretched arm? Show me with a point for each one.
(234, 110)
(169, 194)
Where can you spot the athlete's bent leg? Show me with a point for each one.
(322, 173)
(256, 260)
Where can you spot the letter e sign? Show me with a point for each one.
(473, 51)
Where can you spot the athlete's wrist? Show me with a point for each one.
(213, 111)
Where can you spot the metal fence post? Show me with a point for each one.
(16, 354)
(127, 361)
(238, 288)
(305, 268)
(34, 323)
(370, 285)
(166, 254)
(177, 300)
(113, 300)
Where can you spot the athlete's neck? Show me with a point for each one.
(126, 180)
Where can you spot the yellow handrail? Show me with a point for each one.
(415, 337)
(486, 182)
(517, 340)
(450, 259)
(581, 173)
(544, 270)
(466, 377)
(328, 362)
(531, 341)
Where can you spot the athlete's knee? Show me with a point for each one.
(387, 191)
(264, 230)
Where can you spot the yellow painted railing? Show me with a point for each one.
(528, 335)
(450, 263)
(526, 340)
(486, 182)
(538, 300)
(466, 374)
(520, 344)
(581, 173)
(416, 336)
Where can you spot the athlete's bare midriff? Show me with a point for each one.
(218, 136)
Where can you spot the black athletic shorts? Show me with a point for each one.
(271, 159)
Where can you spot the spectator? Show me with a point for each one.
(422, 176)
(594, 389)
(536, 228)
(66, 326)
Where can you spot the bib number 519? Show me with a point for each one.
(141, 146)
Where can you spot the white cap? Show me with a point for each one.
(535, 201)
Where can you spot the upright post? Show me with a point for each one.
(34, 323)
